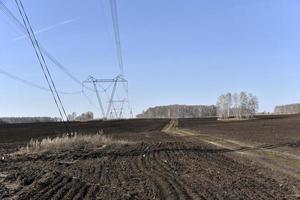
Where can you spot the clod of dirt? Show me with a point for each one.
(132, 195)
(3, 191)
(3, 175)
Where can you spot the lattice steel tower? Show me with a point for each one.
(114, 90)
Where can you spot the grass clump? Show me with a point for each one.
(66, 142)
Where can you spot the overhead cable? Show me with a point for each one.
(21, 80)
(22, 28)
(41, 60)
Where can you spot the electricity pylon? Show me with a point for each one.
(112, 110)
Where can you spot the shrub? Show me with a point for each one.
(76, 141)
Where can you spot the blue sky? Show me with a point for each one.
(174, 51)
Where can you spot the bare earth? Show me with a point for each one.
(166, 159)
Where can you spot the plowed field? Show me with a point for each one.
(158, 163)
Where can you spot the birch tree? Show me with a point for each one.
(236, 105)
(221, 107)
(241, 105)
(228, 104)
(252, 105)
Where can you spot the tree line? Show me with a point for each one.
(287, 109)
(71, 117)
(179, 111)
(83, 117)
(15, 120)
(238, 105)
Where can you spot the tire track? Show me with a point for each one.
(55, 180)
(170, 187)
(174, 189)
(151, 188)
(63, 190)
(92, 192)
(265, 191)
(98, 173)
(160, 165)
(217, 169)
(53, 190)
(165, 163)
(74, 190)
(228, 167)
(81, 193)
(203, 183)
(163, 191)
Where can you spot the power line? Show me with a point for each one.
(41, 60)
(23, 29)
(114, 14)
(17, 22)
(89, 100)
(16, 78)
(115, 20)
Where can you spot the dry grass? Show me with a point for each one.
(77, 141)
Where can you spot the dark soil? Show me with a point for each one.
(155, 166)
(275, 130)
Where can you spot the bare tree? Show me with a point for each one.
(236, 105)
(241, 105)
(221, 107)
(252, 105)
(228, 104)
(85, 116)
(72, 117)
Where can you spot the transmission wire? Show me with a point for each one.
(16, 21)
(41, 60)
(16, 78)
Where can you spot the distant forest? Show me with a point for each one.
(13, 120)
(169, 111)
(238, 105)
(182, 111)
(287, 109)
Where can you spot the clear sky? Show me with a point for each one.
(175, 51)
